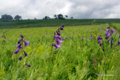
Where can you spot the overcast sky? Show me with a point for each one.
(79, 9)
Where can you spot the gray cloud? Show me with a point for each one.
(80, 9)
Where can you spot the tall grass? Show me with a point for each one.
(72, 61)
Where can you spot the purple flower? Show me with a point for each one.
(103, 49)
(111, 42)
(100, 43)
(19, 41)
(16, 51)
(59, 43)
(28, 65)
(90, 37)
(21, 36)
(25, 53)
(108, 40)
(108, 27)
(19, 46)
(56, 46)
(82, 38)
(107, 36)
(118, 42)
(57, 37)
(112, 31)
(26, 43)
(61, 28)
(99, 38)
(20, 58)
(58, 33)
(106, 30)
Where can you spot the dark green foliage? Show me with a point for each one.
(46, 17)
(17, 17)
(55, 22)
(6, 18)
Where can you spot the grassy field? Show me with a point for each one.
(54, 22)
(80, 56)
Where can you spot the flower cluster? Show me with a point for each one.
(58, 38)
(20, 43)
(109, 33)
(3, 36)
(100, 41)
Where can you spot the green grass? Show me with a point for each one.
(72, 61)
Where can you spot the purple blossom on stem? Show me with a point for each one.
(118, 42)
(58, 33)
(16, 51)
(21, 36)
(103, 49)
(111, 42)
(20, 58)
(57, 38)
(112, 31)
(25, 53)
(26, 43)
(99, 38)
(20, 42)
(56, 46)
(59, 43)
(107, 35)
(108, 40)
(28, 65)
(100, 43)
(61, 28)
(19, 46)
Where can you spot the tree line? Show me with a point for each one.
(59, 16)
(8, 18)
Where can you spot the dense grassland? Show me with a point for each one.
(55, 22)
(116, 26)
(74, 60)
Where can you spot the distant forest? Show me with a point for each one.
(7, 21)
(9, 18)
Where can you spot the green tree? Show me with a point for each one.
(71, 17)
(6, 18)
(66, 16)
(55, 16)
(60, 16)
(17, 17)
(46, 17)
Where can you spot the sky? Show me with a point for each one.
(78, 9)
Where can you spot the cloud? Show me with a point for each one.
(95, 9)
(80, 9)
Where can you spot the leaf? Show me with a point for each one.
(2, 72)
(27, 49)
(40, 48)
